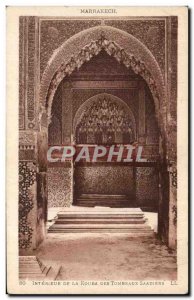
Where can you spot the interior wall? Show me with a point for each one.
(60, 186)
(105, 179)
(147, 187)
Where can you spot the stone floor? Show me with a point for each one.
(105, 256)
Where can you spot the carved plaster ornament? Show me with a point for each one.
(91, 50)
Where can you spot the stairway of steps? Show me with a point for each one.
(91, 200)
(31, 268)
(101, 219)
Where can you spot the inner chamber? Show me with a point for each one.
(104, 103)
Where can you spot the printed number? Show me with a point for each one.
(22, 282)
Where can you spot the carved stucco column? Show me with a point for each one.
(172, 126)
(32, 140)
(172, 233)
(167, 217)
(141, 129)
(67, 137)
(66, 113)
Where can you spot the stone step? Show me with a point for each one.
(91, 200)
(115, 226)
(99, 216)
(103, 196)
(132, 233)
(30, 271)
(33, 269)
(93, 220)
(101, 219)
(100, 212)
(91, 229)
(95, 203)
(101, 199)
(32, 276)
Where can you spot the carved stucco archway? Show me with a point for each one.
(94, 99)
(124, 47)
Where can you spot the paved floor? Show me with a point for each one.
(108, 257)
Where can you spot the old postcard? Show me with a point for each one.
(97, 150)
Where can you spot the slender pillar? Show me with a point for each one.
(172, 235)
(141, 130)
(66, 113)
(67, 99)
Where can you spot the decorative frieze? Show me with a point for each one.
(105, 84)
(28, 72)
(27, 141)
(26, 138)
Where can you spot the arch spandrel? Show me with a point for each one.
(83, 46)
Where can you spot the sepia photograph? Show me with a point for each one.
(97, 125)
